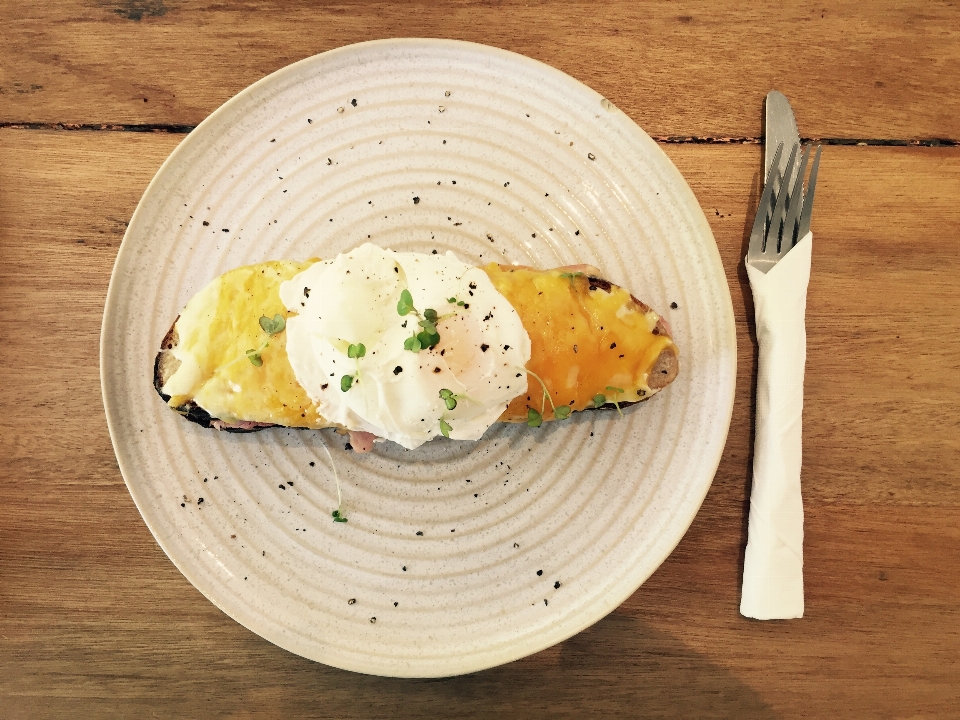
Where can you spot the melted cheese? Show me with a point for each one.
(217, 327)
(584, 339)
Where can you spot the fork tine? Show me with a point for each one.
(773, 229)
(808, 202)
(795, 202)
(757, 235)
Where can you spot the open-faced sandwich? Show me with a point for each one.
(408, 346)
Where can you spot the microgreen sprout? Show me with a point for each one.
(254, 355)
(449, 398)
(571, 276)
(454, 301)
(619, 391)
(445, 428)
(405, 305)
(354, 352)
(428, 337)
(599, 399)
(337, 514)
(562, 412)
(534, 418)
(271, 326)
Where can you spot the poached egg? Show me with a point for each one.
(394, 392)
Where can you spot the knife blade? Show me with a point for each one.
(780, 127)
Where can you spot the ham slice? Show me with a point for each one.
(361, 442)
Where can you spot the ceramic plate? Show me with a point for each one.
(457, 556)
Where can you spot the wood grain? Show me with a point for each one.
(97, 622)
(881, 70)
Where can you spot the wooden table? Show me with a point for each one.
(95, 621)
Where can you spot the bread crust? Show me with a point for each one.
(166, 365)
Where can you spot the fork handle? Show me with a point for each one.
(773, 563)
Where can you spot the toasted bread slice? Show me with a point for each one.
(592, 343)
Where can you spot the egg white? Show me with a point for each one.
(352, 299)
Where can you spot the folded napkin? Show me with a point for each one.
(773, 565)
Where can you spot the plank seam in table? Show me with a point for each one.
(663, 139)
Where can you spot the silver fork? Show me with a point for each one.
(783, 216)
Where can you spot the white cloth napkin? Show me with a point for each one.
(773, 565)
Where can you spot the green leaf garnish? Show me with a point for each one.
(356, 351)
(406, 303)
(445, 428)
(427, 339)
(338, 513)
(449, 399)
(615, 403)
(599, 399)
(571, 276)
(346, 382)
(273, 326)
(560, 413)
(534, 419)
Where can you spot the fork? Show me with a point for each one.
(788, 212)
